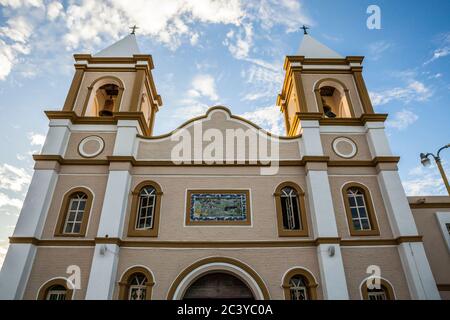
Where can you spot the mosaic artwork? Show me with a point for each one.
(218, 206)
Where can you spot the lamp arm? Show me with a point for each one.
(444, 147)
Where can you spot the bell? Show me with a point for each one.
(108, 108)
(328, 112)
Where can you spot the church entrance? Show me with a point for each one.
(218, 285)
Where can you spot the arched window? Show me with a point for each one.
(74, 214)
(298, 289)
(383, 292)
(146, 208)
(55, 289)
(136, 284)
(56, 292)
(359, 209)
(333, 99)
(299, 284)
(144, 216)
(291, 212)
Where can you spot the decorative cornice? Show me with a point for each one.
(115, 60)
(155, 163)
(213, 244)
(361, 121)
(425, 205)
(75, 119)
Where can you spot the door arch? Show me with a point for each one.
(218, 285)
(230, 266)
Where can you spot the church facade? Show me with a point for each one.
(220, 208)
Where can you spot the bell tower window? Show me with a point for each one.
(105, 100)
(103, 97)
(334, 102)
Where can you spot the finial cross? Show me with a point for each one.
(305, 28)
(133, 29)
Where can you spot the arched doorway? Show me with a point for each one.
(210, 265)
(218, 285)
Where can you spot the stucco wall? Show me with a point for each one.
(437, 252)
(269, 263)
(51, 262)
(357, 259)
(370, 181)
(176, 181)
(68, 181)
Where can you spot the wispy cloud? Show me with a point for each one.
(36, 139)
(424, 181)
(13, 178)
(402, 119)
(8, 202)
(413, 91)
(443, 50)
(201, 94)
(376, 49)
(204, 85)
(269, 118)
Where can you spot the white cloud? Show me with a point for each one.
(288, 13)
(377, 48)
(194, 39)
(194, 102)
(18, 29)
(15, 36)
(264, 79)
(6, 201)
(413, 91)
(423, 181)
(54, 10)
(269, 118)
(443, 50)
(402, 119)
(13, 178)
(203, 85)
(239, 44)
(36, 139)
(21, 3)
(166, 21)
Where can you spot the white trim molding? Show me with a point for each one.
(443, 218)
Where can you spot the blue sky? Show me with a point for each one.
(223, 52)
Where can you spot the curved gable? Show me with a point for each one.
(218, 129)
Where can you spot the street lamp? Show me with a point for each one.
(426, 162)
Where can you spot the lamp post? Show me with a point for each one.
(425, 160)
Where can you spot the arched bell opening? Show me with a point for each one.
(103, 98)
(106, 99)
(333, 99)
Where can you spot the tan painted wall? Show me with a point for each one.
(363, 151)
(270, 263)
(76, 137)
(161, 148)
(174, 182)
(53, 262)
(310, 79)
(337, 182)
(357, 259)
(434, 243)
(66, 182)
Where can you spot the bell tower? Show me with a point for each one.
(113, 84)
(320, 84)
